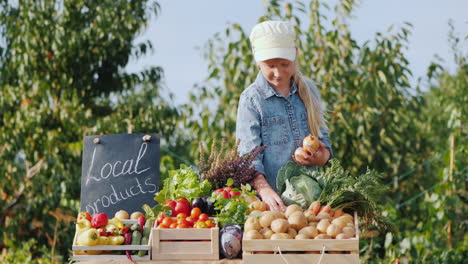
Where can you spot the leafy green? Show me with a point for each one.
(287, 172)
(301, 190)
(183, 183)
(233, 210)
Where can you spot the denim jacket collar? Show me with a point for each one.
(267, 91)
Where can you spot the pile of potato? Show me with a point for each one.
(295, 223)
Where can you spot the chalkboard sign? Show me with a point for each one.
(119, 172)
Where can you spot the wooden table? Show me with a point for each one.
(221, 261)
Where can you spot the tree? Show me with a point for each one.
(62, 77)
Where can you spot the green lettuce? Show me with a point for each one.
(183, 182)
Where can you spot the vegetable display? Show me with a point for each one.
(335, 188)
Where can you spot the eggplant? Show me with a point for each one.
(230, 241)
(210, 207)
(200, 203)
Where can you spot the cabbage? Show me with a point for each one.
(301, 190)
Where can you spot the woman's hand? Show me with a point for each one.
(310, 157)
(268, 195)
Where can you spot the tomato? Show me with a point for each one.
(99, 219)
(200, 224)
(163, 226)
(172, 204)
(190, 220)
(234, 193)
(203, 217)
(183, 221)
(181, 216)
(173, 225)
(161, 216)
(167, 221)
(224, 193)
(195, 213)
(182, 226)
(84, 215)
(209, 223)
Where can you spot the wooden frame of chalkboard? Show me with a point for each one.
(119, 172)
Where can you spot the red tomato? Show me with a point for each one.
(234, 193)
(163, 226)
(182, 226)
(166, 221)
(224, 193)
(181, 216)
(200, 224)
(84, 215)
(173, 225)
(171, 204)
(209, 223)
(190, 220)
(203, 217)
(99, 219)
(161, 216)
(195, 213)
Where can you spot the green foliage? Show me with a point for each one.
(376, 119)
(183, 182)
(62, 78)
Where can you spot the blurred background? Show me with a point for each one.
(394, 76)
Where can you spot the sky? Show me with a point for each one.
(182, 28)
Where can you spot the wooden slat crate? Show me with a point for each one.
(292, 251)
(113, 252)
(185, 244)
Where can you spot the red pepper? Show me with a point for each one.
(125, 230)
(99, 219)
(171, 204)
(182, 206)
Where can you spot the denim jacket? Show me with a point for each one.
(265, 117)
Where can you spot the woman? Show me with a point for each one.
(279, 110)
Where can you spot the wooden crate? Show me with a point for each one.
(185, 244)
(113, 252)
(292, 251)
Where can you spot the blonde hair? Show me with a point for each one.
(315, 111)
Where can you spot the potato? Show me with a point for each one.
(321, 216)
(333, 230)
(323, 236)
(323, 225)
(309, 231)
(292, 232)
(122, 214)
(301, 236)
(252, 224)
(297, 220)
(266, 233)
(342, 221)
(342, 236)
(349, 230)
(135, 215)
(256, 213)
(291, 209)
(258, 205)
(252, 234)
(266, 218)
(280, 236)
(310, 216)
(280, 225)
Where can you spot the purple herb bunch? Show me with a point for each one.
(222, 165)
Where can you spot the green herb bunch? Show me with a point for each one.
(233, 210)
(360, 193)
(223, 164)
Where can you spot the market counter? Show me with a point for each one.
(221, 261)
